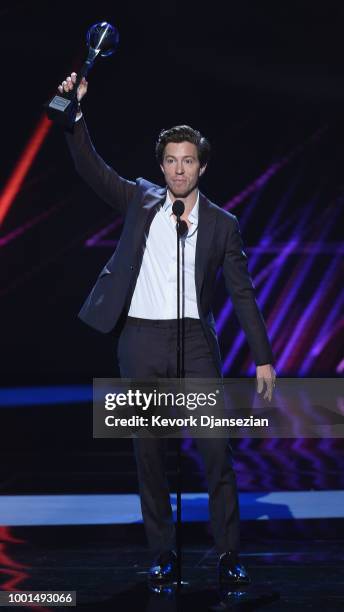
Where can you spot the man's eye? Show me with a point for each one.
(189, 161)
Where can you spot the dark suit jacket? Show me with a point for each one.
(219, 244)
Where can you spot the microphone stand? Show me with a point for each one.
(178, 209)
(179, 471)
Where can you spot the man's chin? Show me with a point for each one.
(181, 193)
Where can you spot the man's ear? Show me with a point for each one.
(162, 168)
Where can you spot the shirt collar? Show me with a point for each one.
(193, 216)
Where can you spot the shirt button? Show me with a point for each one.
(131, 267)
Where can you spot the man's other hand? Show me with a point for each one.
(266, 376)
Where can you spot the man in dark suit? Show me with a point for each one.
(135, 293)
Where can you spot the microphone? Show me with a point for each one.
(178, 208)
(182, 228)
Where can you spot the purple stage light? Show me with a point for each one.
(96, 239)
(300, 331)
(322, 337)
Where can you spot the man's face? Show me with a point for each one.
(181, 168)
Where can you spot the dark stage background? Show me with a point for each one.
(265, 82)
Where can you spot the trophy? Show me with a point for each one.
(103, 40)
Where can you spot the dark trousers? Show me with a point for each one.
(147, 350)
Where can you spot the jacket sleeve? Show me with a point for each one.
(241, 290)
(104, 180)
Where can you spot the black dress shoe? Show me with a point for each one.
(231, 571)
(164, 568)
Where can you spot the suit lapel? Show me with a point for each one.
(152, 199)
(205, 233)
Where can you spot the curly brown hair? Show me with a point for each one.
(182, 133)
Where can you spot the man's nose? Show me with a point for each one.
(180, 169)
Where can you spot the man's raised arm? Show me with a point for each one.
(104, 180)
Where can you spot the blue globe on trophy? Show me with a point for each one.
(103, 37)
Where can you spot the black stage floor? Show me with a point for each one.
(107, 567)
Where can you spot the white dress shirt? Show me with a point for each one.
(155, 294)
